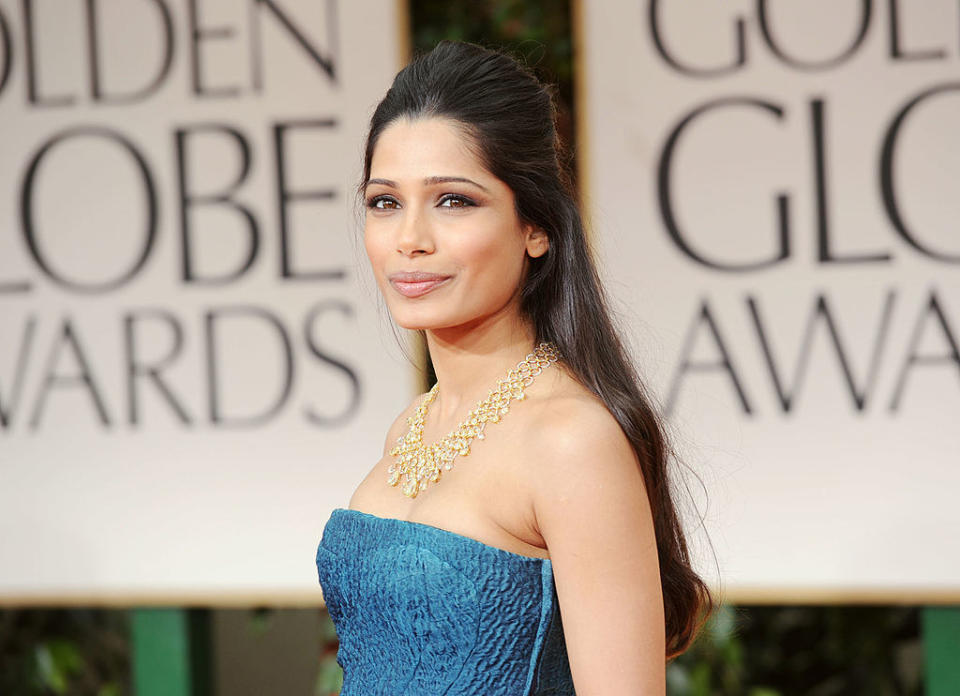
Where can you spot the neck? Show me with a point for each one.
(469, 359)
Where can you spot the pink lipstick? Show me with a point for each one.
(416, 283)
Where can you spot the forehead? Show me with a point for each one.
(424, 147)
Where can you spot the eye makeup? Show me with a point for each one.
(460, 200)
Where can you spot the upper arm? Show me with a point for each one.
(592, 511)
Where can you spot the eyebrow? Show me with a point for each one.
(432, 180)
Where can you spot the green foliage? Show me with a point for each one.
(64, 652)
(538, 31)
(812, 651)
(55, 662)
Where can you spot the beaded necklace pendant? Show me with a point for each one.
(416, 464)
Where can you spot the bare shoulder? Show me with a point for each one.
(585, 478)
(577, 439)
(592, 512)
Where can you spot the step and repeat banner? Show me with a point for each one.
(195, 366)
(773, 189)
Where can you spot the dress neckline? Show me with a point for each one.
(447, 532)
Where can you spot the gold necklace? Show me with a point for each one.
(417, 464)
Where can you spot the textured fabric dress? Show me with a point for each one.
(422, 610)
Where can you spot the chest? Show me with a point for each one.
(486, 495)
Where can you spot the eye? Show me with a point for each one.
(456, 201)
(382, 203)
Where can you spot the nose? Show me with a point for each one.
(414, 235)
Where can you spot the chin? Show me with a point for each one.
(416, 321)
(419, 324)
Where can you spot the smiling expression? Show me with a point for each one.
(441, 232)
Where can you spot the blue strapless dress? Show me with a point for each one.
(420, 610)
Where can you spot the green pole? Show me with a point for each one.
(171, 651)
(941, 645)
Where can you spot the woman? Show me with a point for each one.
(506, 499)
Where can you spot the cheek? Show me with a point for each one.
(491, 244)
(493, 261)
(374, 247)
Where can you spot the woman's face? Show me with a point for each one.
(441, 232)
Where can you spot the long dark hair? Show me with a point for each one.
(511, 119)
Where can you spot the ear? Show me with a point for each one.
(537, 241)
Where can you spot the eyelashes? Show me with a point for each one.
(461, 200)
(389, 202)
(386, 202)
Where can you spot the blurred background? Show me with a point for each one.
(771, 187)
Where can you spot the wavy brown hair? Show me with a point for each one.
(509, 116)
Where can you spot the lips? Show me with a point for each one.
(416, 283)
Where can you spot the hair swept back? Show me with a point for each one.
(510, 118)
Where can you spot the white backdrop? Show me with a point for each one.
(194, 368)
(808, 363)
